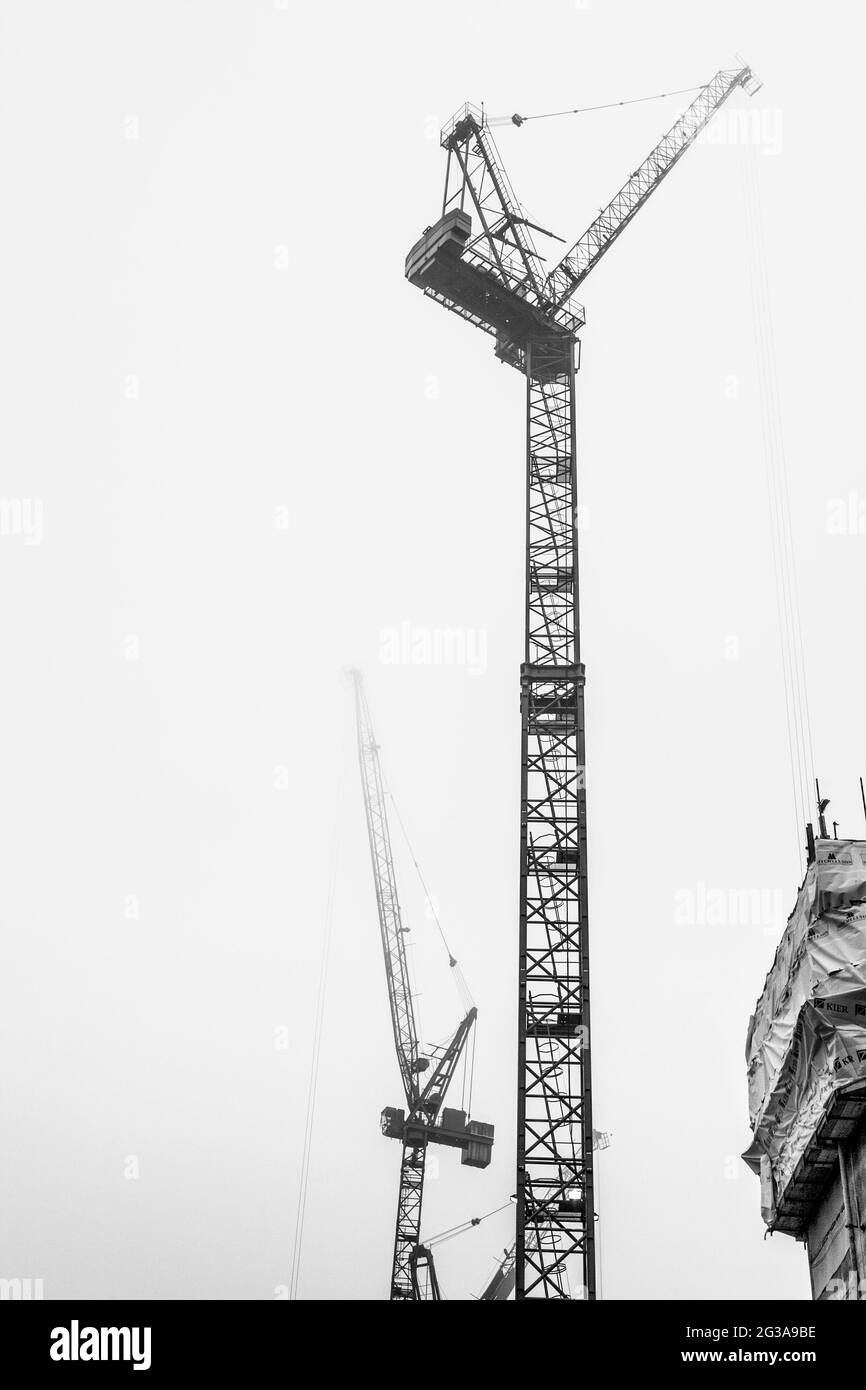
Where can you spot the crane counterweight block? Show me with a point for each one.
(452, 1129)
(472, 289)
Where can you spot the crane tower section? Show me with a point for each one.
(554, 1092)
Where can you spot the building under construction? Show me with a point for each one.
(806, 1054)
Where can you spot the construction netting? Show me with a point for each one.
(807, 1036)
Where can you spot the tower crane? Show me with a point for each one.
(480, 261)
(427, 1074)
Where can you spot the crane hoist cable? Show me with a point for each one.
(468, 1077)
(464, 994)
(788, 612)
(584, 110)
(462, 987)
(471, 1076)
(318, 1027)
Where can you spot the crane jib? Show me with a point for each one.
(576, 264)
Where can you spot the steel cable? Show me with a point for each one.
(459, 978)
(788, 611)
(318, 1026)
(584, 110)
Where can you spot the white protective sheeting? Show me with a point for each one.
(807, 1036)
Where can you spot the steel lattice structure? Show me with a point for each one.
(426, 1119)
(490, 273)
(407, 1237)
(554, 1094)
(613, 219)
(387, 901)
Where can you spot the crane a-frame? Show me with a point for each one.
(426, 1076)
(480, 261)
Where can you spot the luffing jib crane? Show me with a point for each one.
(480, 261)
(426, 1076)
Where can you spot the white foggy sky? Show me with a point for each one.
(156, 258)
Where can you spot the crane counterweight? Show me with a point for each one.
(436, 265)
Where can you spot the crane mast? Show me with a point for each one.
(425, 1119)
(489, 272)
